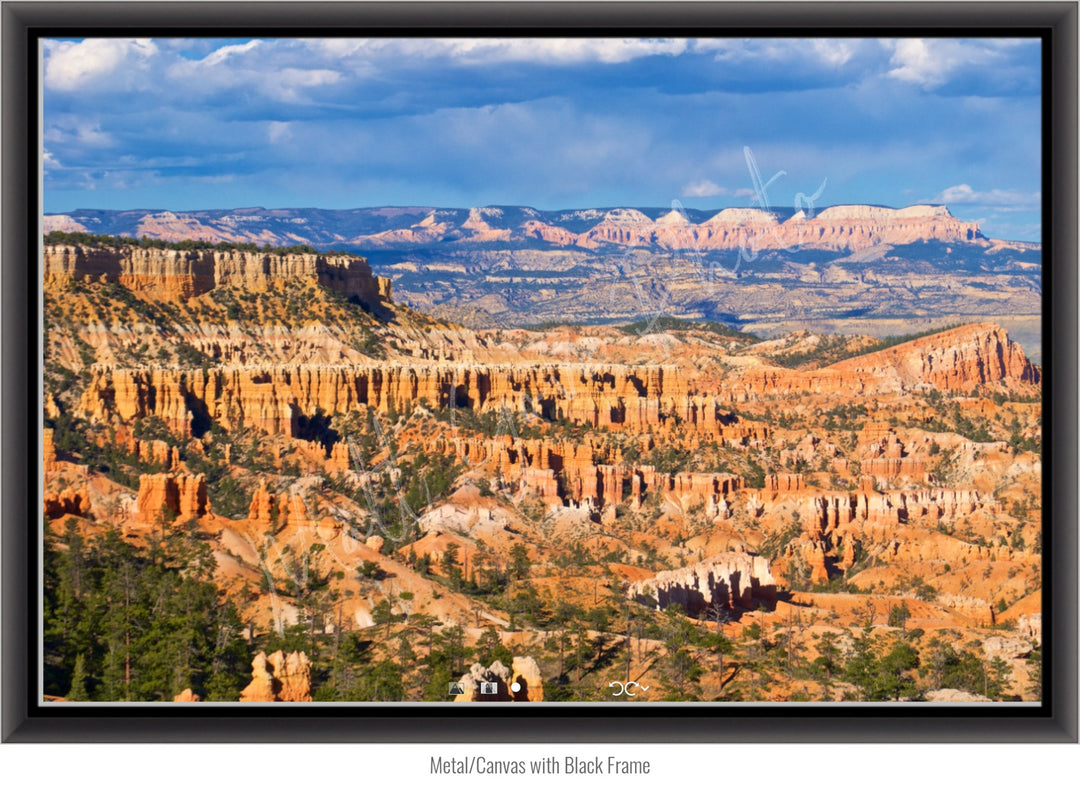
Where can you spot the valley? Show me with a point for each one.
(536, 467)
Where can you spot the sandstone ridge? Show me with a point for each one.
(955, 360)
(841, 227)
(175, 274)
(279, 399)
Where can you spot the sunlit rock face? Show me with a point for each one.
(734, 580)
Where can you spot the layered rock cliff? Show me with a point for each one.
(172, 274)
(844, 227)
(953, 360)
(276, 399)
(165, 497)
(959, 360)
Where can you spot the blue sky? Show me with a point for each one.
(183, 124)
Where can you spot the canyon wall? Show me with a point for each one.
(959, 359)
(954, 360)
(278, 399)
(172, 274)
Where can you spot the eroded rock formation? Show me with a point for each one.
(172, 274)
(1030, 627)
(165, 497)
(48, 451)
(524, 674)
(279, 677)
(68, 502)
(732, 580)
(956, 360)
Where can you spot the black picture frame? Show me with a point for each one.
(24, 721)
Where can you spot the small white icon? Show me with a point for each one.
(625, 688)
(489, 688)
(457, 688)
(515, 687)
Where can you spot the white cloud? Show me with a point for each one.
(478, 51)
(829, 52)
(218, 56)
(930, 63)
(832, 52)
(703, 188)
(73, 65)
(278, 70)
(963, 194)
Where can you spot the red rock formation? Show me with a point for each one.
(824, 512)
(560, 471)
(883, 454)
(733, 579)
(156, 452)
(784, 482)
(171, 274)
(813, 554)
(892, 468)
(976, 610)
(541, 483)
(279, 677)
(68, 502)
(164, 497)
(296, 513)
(187, 695)
(955, 360)
(48, 451)
(274, 399)
(262, 506)
(161, 273)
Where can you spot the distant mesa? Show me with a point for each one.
(837, 228)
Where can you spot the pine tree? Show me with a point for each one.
(78, 692)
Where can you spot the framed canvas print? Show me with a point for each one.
(568, 371)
